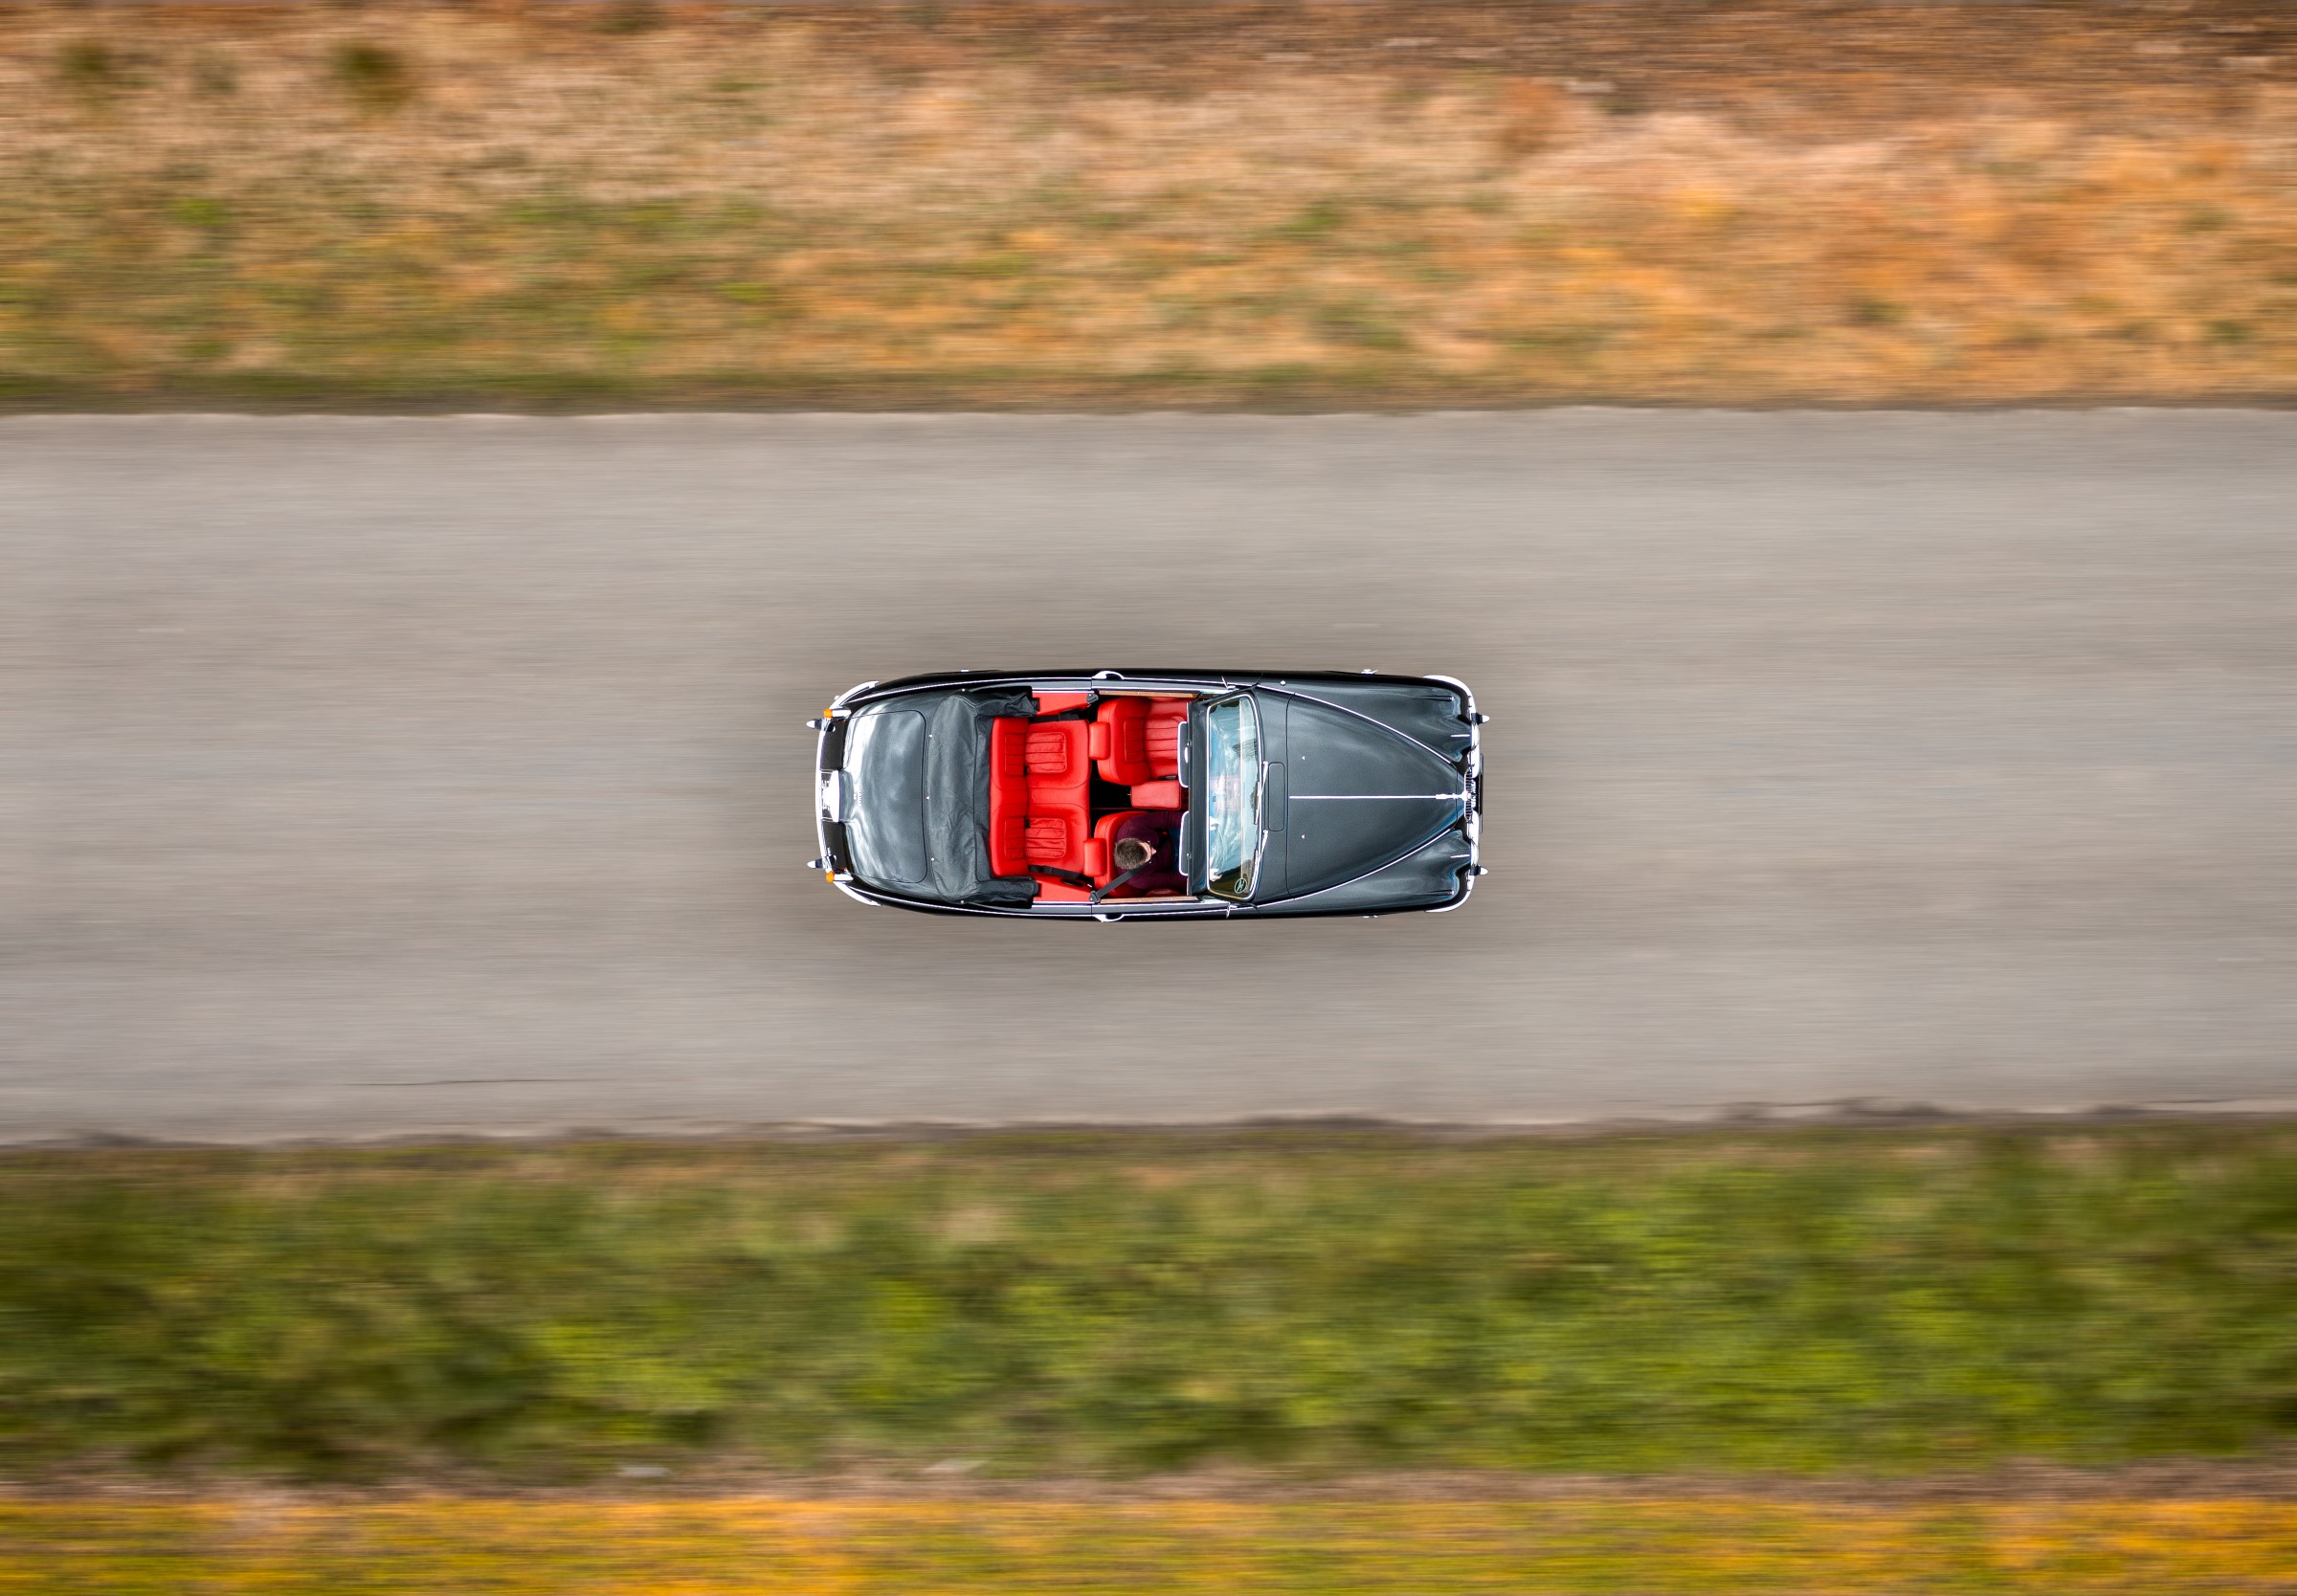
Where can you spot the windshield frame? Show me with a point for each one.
(1235, 884)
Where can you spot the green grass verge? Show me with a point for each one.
(1803, 1300)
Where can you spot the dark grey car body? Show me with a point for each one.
(1373, 793)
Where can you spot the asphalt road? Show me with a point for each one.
(374, 776)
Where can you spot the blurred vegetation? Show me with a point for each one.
(1772, 1299)
(376, 77)
(1742, 1546)
(645, 204)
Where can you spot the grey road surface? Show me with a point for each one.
(385, 776)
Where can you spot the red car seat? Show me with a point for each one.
(1060, 779)
(1155, 827)
(1136, 740)
(1167, 721)
(1120, 741)
(1008, 796)
(1039, 797)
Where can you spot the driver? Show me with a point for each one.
(1132, 853)
(1143, 855)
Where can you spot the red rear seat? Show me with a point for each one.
(1055, 754)
(1008, 796)
(1060, 779)
(1039, 797)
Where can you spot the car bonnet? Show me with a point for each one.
(1356, 795)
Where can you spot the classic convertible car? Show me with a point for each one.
(1131, 794)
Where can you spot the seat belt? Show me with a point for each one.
(1100, 892)
(1078, 878)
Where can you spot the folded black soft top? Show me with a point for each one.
(950, 817)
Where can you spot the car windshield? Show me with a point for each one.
(1232, 812)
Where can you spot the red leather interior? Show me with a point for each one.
(1137, 740)
(1167, 719)
(1041, 789)
(1055, 753)
(1039, 796)
(1048, 840)
(1060, 780)
(1008, 796)
(1120, 741)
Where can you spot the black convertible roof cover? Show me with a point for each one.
(918, 819)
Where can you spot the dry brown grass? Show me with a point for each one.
(316, 204)
(1743, 1547)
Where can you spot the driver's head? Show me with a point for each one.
(1132, 853)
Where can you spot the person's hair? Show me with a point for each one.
(1132, 853)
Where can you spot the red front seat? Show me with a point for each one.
(1136, 740)
(1168, 723)
(1120, 742)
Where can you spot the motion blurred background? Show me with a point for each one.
(1064, 203)
(451, 1144)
